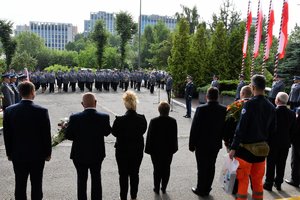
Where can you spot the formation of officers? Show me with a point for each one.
(105, 79)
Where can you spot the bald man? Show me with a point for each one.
(87, 130)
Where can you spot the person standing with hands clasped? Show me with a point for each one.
(27, 138)
(189, 87)
(87, 130)
(161, 144)
(249, 146)
(129, 130)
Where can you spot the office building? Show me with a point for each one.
(108, 19)
(55, 35)
(170, 22)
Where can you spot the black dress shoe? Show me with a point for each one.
(163, 190)
(197, 192)
(267, 186)
(187, 116)
(291, 182)
(277, 186)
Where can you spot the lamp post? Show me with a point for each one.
(140, 26)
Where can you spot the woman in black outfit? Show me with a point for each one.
(128, 130)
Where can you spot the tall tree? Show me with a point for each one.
(228, 15)
(178, 61)
(29, 42)
(199, 65)
(9, 45)
(219, 58)
(22, 60)
(147, 41)
(100, 36)
(126, 28)
(191, 15)
(295, 35)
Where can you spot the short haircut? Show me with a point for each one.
(282, 97)
(212, 94)
(246, 90)
(89, 99)
(259, 81)
(164, 108)
(26, 88)
(130, 100)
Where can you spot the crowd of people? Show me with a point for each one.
(259, 139)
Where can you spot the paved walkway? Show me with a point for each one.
(60, 174)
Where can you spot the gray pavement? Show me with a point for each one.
(60, 175)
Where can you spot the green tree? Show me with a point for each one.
(161, 32)
(178, 61)
(87, 58)
(9, 45)
(191, 15)
(199, 65)
(219, 58)
(111, 58)
(147, 41)
(294, 37)
(22, 60)
(99, 36)
(79, 43)
(228, 15)
(291, 63)
(29, 42)
(126, 28)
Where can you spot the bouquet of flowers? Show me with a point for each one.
(60, 135)
(234, 110)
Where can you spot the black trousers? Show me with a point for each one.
(169, 96)
(51, 87)
(82, 176)
(206, 160)
(65, 87)
(128, 166)
(295, 163)
(73, 86)
(161, 173)
(22, 171)
(276, 161)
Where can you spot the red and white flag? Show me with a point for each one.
(248, 27)
(283, 37)
(270, 33)
(258, 33)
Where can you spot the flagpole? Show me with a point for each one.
(243, 58)
(279, 38)
(266, 42)
(255, 37)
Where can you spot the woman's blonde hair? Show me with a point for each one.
(130, 100)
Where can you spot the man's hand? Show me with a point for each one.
(231, 154)
(48, 158)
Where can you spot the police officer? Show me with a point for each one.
(215, 82)
(59, 78)
(73, 80)
(51, 81)
(169, 85)
(239, 87)
(8, 94)
(294, 96)
(249, 145)
(43, 81)
(277, 86)
(65, 81)
(13, 80)
(189, 88)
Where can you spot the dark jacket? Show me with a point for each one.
(257, 123)
(27, 132)
(8, 95)
(189, 89)
(207, 127)
(277, 86)
(129, 130)
(285, 128)
(162, 136)
(87, 130)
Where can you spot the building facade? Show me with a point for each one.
(108, 19)
(55, 35)
(152, 20)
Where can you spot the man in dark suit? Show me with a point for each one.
(206, 139)
(161, 144)
(279, 142)
(87, 130)
(277, 86)
(27, 138)
(239, 87)
(189, 88)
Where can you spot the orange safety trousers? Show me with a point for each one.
(256, 172)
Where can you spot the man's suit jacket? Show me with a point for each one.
(27, 132)
(87, 130)
(207, 127)
(277, 86)
(189, 88)
(285, 128)
(8, 95)
(162, 136)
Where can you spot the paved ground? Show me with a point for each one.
(60, 174)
